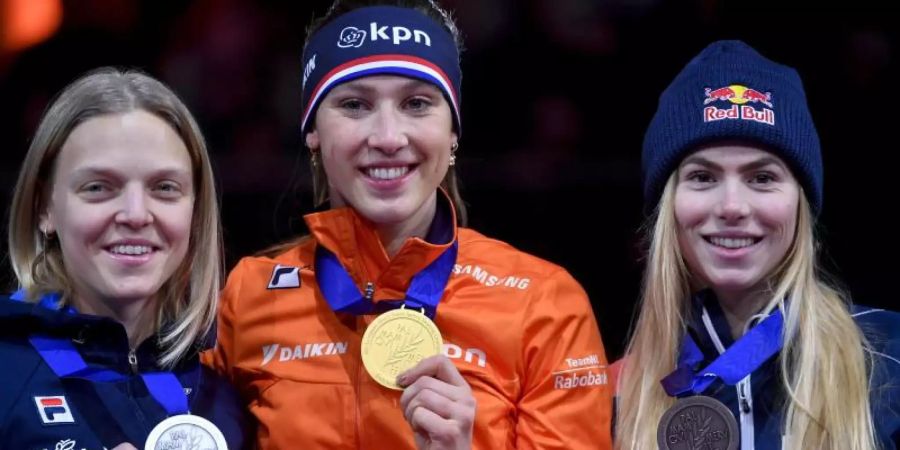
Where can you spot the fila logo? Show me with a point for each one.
(54, 410)
(284, 277)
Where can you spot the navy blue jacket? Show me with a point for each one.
(766, 396)
(38, 410)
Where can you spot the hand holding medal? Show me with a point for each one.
(438, 404)
(396, 341)
(401, 349)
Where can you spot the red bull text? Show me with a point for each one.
(740, 97)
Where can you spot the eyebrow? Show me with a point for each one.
(112, 173)
(752, 165)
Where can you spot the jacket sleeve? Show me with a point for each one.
(566, 402)
(221, 357)
(882, 329)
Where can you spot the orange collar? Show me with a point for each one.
(356, 243)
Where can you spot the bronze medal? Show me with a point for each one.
(698, 423)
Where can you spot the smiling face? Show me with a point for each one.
(121, 207)
(736, 209)
(385, 146)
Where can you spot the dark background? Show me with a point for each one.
(556, 97)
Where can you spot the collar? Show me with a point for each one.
(355, 241)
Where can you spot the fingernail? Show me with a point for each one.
(401, 380)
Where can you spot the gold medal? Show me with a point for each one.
(396, 341)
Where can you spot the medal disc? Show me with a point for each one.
(697, 423)
(396, 341)
(186, 431)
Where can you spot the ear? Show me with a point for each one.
(312, 140)
(45, 223)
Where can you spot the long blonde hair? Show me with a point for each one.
(187, 301)
(823, 346)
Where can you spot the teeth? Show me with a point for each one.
(130, 249)
(386, 173)
(731, 243)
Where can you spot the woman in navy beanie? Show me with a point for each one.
(740, 341)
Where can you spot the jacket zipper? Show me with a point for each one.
(133, 361)
(361, 322)
(744, 393)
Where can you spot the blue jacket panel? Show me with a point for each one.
(880, 327)
(38, 410)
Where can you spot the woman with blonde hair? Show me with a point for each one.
(114, 238)
(740, 341)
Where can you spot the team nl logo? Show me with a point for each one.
(741, 97)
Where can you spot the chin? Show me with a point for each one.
(386, 212)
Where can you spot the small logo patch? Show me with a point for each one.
(351, 37)
(740, 97)
(284, 277)
(54, 410)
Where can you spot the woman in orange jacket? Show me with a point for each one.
(390, 325)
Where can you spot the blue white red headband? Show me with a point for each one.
(379, 40)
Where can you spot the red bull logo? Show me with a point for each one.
(741, 97)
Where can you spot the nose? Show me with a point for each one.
(387, 134)
(733, 204)
(135, 211)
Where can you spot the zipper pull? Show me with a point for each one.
(132, 360)
(370, 291)
(744, 401)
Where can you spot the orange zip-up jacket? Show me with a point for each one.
(519, 329)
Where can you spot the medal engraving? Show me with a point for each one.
(186, 432)
(697, 423)
(396, 341)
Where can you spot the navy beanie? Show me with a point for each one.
(731, 92)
